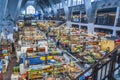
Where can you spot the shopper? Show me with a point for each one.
(49, 29)
(13, 48)
(58, 43)
(47, 34)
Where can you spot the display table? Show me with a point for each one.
(14, 77)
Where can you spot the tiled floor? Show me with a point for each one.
(12, 63)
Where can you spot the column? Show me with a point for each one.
(66, 9)
(6, 3)
(17, 11)
(90, 16)
(71, 10)
(68, 24)
(40, 11)
(89, 9)
(116, 21)
(54, 7)
(79, 27)
(90, 28)
(71, 14)
(3, 8)
(12, 8)
(80, 16)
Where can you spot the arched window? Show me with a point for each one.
(92, 0)
(30, 9)
(23, 12)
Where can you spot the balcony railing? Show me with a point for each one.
(105, 68)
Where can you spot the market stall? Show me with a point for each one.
(41, 57)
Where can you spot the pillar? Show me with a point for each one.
(6, 3)
(17, 11)
(90, 16)
(80, 16)
(12, 8)
(68, 24)
(54, 8)
(3, 8)
(116, 21)
(79, 27)
(90, 28)
(66, 9)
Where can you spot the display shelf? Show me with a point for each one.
(85, 49)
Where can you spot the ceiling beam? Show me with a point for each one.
(12, 8)
(53, 7)
(17, 12)
(3, 8)
(66, 9)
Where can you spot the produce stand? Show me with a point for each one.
(41, 58)
(4, 57)
(88, 48)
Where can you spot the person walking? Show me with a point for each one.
(58, 43)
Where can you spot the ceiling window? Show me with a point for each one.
(82, 1)
(92, 0)
(23, 12)
(30, 9)
(78, 2)
(61, 6)
(69, 3)
(66, 2)
(57, 6)
(74, 2)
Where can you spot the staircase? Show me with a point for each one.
(61, 24)
(105, 69)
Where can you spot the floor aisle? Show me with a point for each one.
(7, 75)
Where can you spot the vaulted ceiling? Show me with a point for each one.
(12, 7)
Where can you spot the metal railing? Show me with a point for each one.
(105, 68)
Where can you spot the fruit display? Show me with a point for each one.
(107, 43)
(4, 42)
(65, 42)
(55, 71)
(89, 59)
(16, 70)
(46, 25)
(79, 41)
(51, 62)
(31, 35)
(20, 24)
(76, 48)
(97, 55)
